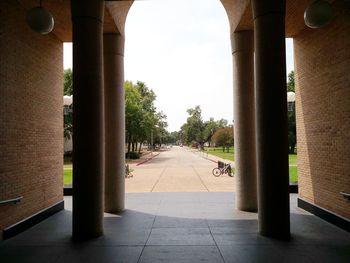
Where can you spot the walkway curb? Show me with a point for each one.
(146, 160)
(213, 160)
(209, 159)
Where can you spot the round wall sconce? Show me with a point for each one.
(40, 20)
(318, 14)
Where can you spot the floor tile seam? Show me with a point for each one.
(149, 235)
(181, 245)
(216, 244)
(57, 259)
(203, 228)
(102, 245)
(249, 244)
(160, 176)
(174, 227)
(200, 178)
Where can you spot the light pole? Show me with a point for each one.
(291, 100)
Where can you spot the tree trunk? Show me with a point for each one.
(140, 147)
(292, 149)
(129, 143)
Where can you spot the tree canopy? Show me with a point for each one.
(68, 82)
(291, 83)
(143, 123)
(223, 137)
(197, 131)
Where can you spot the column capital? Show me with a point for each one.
(242, 41)
(262, 8)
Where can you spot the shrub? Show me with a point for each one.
(67, 157)
(132, 155)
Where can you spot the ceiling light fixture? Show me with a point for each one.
(40, 20)
(318, 14)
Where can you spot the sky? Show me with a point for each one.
(181, 50)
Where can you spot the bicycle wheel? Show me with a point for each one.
(216, 172)
(229, 172)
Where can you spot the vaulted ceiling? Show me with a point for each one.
(238, 11)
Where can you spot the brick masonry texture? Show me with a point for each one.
(31, 118)
(322, 60)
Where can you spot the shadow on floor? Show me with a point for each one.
(179, 227)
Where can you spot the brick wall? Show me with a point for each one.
(31, 122)
(322, 60)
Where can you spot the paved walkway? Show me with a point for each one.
(178, 170)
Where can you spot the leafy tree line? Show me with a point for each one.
(198, 132)
(143, 123)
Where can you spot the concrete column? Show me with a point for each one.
(114, 122)
(88, 132)
(271, 118)
(244, 117)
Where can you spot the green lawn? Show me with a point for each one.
(293, 174)
(293, 171)
(217, 151)
(293, 159)
(67, 176)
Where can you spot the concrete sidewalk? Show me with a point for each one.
(178, 170)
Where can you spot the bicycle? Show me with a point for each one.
(128, 173)
(223, 168)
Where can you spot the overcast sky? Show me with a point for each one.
(181, 50)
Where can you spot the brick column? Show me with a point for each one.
(88, 150)
(244, 117)
(114, 122)
(271, 118)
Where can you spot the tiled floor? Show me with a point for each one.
(180, 227)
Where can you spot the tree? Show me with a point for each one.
(174, 137)
(68, 114)
(211, 126)
(209, 129)
(223, 137)
(292, 138)
(193, 129)
(291, 83)
(142, 121)
(197, 132)
(133, 113)
(68, 82)
(160, 129)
